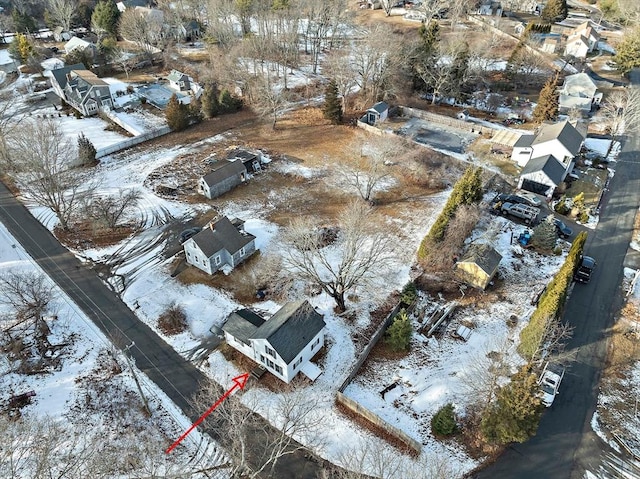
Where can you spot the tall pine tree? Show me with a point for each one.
(209, 100)
(547, 107)
(106, 16)
(177, 114)
(627, 54)
(86, 151)
(332, 108)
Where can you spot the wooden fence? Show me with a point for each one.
(445, 120)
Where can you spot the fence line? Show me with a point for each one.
(446, 120)
(128, 143)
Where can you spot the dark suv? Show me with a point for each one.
(585, 268)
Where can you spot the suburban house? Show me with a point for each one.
(81, 89)
(225, 176)
(76, 43)
(490, 7)
(479, 265)
(183, 83)
(60, 35)
(581, 41)
(284, 344)
(223, 243)
(543, 154)
(252, 161)
(550, 44)
(376, 114)
(188, 31)
(578, 92)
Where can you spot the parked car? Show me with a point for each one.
(528, 213)
(529, 198)
(563, 230)
(188, 233)
(585, 269)
(550, 383)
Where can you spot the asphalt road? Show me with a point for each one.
(178, 378)
(565, 445)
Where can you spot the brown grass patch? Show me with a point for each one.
(84, 236)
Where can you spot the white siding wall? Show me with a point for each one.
(204, 188)
(262, 357)
(196, 257)
(554, 148)
(247, 350)
(521, 155)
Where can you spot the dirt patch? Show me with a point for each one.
(84, 236)
(591, 183)
(495, 156)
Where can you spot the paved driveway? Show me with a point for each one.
(437, 136)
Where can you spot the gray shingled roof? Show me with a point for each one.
(524, 140)
(240, 154)
(242, 324)
(223, 236)
(60, 74)
(380, 107)
(291, 329)
(223, 170)
(175, 76)
(564, 132)
(484, 256)
(548, 164)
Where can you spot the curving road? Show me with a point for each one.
(565, 446)
(178, 378)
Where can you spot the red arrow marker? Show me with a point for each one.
(239, 382)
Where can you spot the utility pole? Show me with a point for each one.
(135, 378)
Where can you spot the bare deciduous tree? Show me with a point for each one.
(108, 211)
(359, 254)
(371, 164)
(40, 155)
(62, 12)
(30, 295)
(270, 100)
(341, 70)
(621, 111)
(144, 31)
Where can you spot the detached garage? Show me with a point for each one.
(542, 175)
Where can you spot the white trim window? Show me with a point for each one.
(218, 260)
(242, 251)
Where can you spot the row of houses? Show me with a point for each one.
(577, 42)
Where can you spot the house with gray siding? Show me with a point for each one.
(221, 245)
(225, 175)
(284, 344)
(82, 89)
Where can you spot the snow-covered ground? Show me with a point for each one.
(72, 394)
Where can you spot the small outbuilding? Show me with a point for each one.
(224, 176)
(479, 265)
(377, 113)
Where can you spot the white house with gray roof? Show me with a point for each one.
(547, 157)
(81, 89)
(221, 244)
(578, 92)
(284, 344)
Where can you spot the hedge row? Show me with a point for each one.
(551, 302)
(467, 190)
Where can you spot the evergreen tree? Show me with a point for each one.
(513, 62)
(177, 114)
(425, 54)
(443, 422)
(627, 55)
(547, 107)
(555, 10)
(23, 22)
(517, 411)
(332, 108)
(86, 151)
(105, 16)
(209, 100)
(458, 74)
(544, 235)
(429, 36)
(195, 111)
(228, 103)
(21, 48)
(398, 334)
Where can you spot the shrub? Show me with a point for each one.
(86, 151)
(173, 320)
(177, 114)
(443, 423)
(398, 334)
(583, 216)
(409, 293)
(561, 206)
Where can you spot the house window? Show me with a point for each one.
(269, 351)
(242, 251)
(271, 364)
(297, 363)
(188, 254)
(197, 260)
(218, 260)
(316, 342)
(262, 359)
(278, 369)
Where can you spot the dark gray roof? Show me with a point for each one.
(176, 76)
(564, 132)
(242, 155)
(524, 141)
(291, 329)
(221, 236)
(380, 107)
(223, 170)
(549, 165)
(484, 256)
(135, 3)
(60, 74)
(242, 324)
